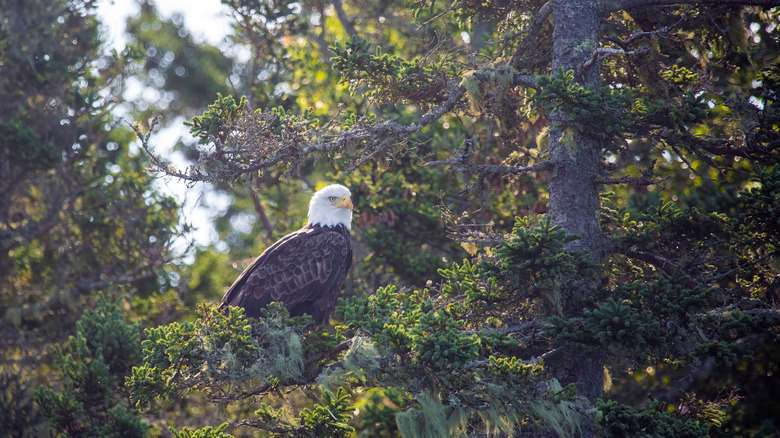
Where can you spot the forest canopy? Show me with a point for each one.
(567, 219)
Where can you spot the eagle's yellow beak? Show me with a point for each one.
(346, 202)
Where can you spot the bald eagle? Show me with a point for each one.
(304, 270)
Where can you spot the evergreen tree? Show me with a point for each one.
(632, 95)
(610, 174)
(79, 217)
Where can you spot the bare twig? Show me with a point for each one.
(604, 52)
(345, 21)
(511, 329)
(630, 4)
(260, 210)
(656, 260)
(537, 22)
(632, 180)
(491, 168)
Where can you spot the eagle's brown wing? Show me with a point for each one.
(304, 270)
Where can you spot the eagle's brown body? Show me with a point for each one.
(304, 270)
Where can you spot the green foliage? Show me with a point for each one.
(378, 411)
(411, 327)
(724, 352)
(24, 146)
(389, 76)
(464, 280)
(420, 340)
(616, 322)
(328, 419)
(277, 135)
(225, 349)
(537, 254)
(204, 432)
(216, 121)
(89, 402)
(439, 343)
(653, 421)
(618, 113)
(514, 369)
(680, 283)
(666, 297)
(759, 220)
(399, 210)
(531, 262)
(17, 410)
(679, 75)
(639, 318)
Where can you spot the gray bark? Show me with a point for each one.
(574, 192)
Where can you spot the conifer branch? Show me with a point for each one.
(261, 389)
(377, 139)
(461, 165)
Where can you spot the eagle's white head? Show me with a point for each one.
(331, 206)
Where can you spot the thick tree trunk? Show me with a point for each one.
(574, 194)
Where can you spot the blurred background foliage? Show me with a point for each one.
(453, 290)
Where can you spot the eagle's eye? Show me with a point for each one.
(332, 198)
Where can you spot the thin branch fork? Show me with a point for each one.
(662, 32)
(630, 4)
(537, 22)
(605, 52)
(668, 266)
(632, 180)
(491, 168)
(511, 329)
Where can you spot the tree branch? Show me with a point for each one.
(491, 168)
(532, 32)
(511, 329)
(260, 210)
(345, 21)
(630, 4)
(632, 180)
(604, 52)
(656, 260)
(289, 148)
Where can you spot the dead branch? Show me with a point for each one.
(632, 180)
(604, 52)
(630, 4)
(461, 165)
(668, 266)
(537, 22)
(260, 210)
